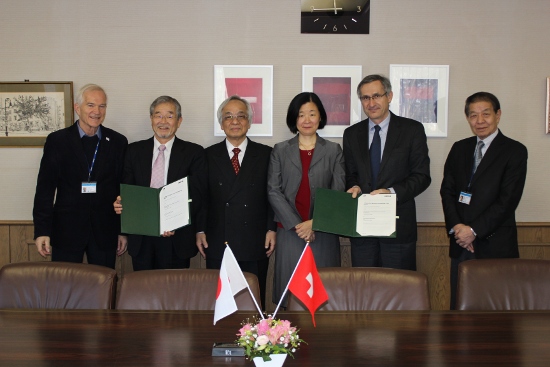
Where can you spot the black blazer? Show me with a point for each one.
(405, 166)
(238, 210)
(70, 220)
(496, 189)
(186, 159)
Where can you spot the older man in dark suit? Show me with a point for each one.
(482, 185)
(179, 159)
(238, 210)
(79, 177)
(386, 154)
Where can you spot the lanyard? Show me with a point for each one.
(90, 168)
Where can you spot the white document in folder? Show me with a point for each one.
(376, 215)
(174, 206)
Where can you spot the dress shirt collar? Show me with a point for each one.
(82, 133)
(487, 141)
(242, 147)
(383, 125)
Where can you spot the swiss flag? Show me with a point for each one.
(306, 284)
(231, 282)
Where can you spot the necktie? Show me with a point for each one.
(235, 160)
(478, 154)
(157, 174)
(375, 156)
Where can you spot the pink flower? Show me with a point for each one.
(244, 329)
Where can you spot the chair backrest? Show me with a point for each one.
(370, 289)
(179, 289)
(503, 284)
(57, 285)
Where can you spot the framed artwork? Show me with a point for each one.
(421, 92)
(548, 105)
(336, 86)
(251, 82)
(29, 111)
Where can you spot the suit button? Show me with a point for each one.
(219, 183)
(245, 205)
(226, 204)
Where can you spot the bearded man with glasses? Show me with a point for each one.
(386, 154)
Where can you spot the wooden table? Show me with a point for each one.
(126, 338)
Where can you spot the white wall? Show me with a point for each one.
(140, 49)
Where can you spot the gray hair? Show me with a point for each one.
(235, 97)
(165, 99)
(88, 88)
(373, 78)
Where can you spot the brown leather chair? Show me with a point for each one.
(371, 289)
(57, 285)
(503, 284)
(179, 289)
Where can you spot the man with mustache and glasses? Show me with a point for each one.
(238, 210)
(80, 175)
(179, 159)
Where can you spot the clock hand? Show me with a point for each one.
(326, 9)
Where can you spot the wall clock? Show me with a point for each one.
(335, 16)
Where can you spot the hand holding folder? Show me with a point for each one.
(366, 216)
(151, 212)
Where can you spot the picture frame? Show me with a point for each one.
(548, 105)
(29, 111)
(251, 82)
(336, 86)
(421, 92)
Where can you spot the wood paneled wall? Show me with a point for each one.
(17, 245)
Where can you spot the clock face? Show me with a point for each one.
(335, 16)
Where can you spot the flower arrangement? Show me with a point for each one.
(260, 338)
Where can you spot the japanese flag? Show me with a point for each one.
(230, 282)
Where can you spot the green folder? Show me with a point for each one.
(141, 210)
(336, 212)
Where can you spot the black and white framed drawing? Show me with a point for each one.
(29, 111)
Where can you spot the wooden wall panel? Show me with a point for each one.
(17, 245)
(4, 244)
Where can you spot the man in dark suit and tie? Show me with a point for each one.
(79, 177)
(238, 210)
(158, 161)
(386, 154)
(482, 185)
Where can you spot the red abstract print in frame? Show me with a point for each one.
(335, 93)
(249, 89)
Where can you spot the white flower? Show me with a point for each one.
(281, 338)
(262, 340)
(293, 350)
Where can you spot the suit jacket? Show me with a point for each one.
(405, 167)
(73, 216)
(186, 159)
(285, 174)
(496, 189)
(238, 210)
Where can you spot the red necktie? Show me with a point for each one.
(235, 160)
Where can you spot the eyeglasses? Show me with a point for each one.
(241, 117)
(159, 117)
(374, 97)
